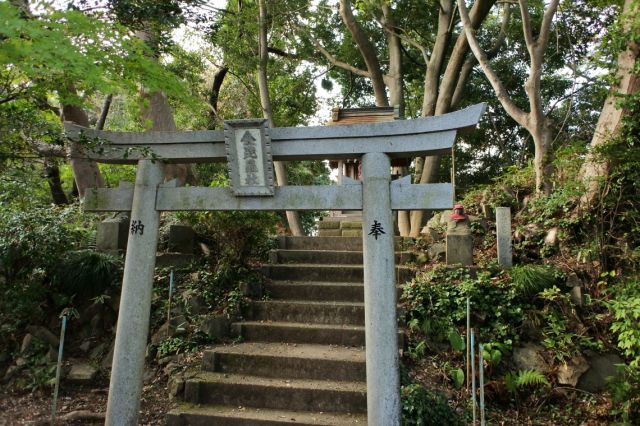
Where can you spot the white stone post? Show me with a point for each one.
(381, 330)
(503, 235)
(125, 387)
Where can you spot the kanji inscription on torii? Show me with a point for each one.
(248, 148)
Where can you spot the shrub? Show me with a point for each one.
(436, 302)
(421, 406)
(625, 306)
(31, 243)
(87, 273)
(532, 279)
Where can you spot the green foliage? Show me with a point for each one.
(177, 345)
(625, 393)
(87, 273)
(64, 48)
(32, 240)
(236, 237)
(423, 407)
(31, 243)
(493, 352)
(625, 306)
(456, 340)
(532, 279)
(562, 330)
(457, 377)
(525, 379)
(436, 304)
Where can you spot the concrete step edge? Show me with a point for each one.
(189, 414)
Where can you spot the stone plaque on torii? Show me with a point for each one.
(250, 147)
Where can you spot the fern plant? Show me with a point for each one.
(532, 279)
(524, 379)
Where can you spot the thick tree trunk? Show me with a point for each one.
(281, 174)
(439, 94)
(542, 136)
(594, 170)
(85, 172)
(368, 52)
(157, 116)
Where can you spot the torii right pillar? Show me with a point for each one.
(381, 329)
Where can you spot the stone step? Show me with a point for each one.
(297, 332)
(321, 243)
(291, 361)
(331, 243)
(339, 273)
(190, 415)
(328, 257)
(306, 311)
(319, 291)
(276, 393)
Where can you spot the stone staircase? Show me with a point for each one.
(303, 359)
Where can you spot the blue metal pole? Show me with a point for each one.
(58, 370)
(473, 375)
(170, 293)
(481, 372)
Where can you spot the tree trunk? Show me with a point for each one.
(594, 170)
(281, 174)
(85, 172)
(439, 93)
(395, 76)
(157, 116)
(52, 173)
(368, 52)
(542, 136)
(214, 95)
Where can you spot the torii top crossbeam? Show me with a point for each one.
(397, 139)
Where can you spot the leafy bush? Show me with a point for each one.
(562, 330)
(31, 243)
(87, 273)
(436, 303)
(625, 306)
(423, 407)
(625, 393)
(532, 279)
(236, 237)
(35, 238)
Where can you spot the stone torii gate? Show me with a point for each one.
(250, 148)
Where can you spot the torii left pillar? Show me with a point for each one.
(125, 386)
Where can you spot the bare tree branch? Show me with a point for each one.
(338, 63)
(367, 51)
(526, 26)
(545, 28)
(282, 53)
(501, 92)
(471, 60)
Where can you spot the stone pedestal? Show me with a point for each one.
(181, 239)
(503, 235)
(459, 243)
(112, 234)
